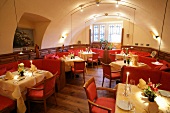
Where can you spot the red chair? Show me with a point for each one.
(99, 104)
(79, 67)
(93, 59)
(113, 57)
(111, 75)
(6, 104)
(41, 91)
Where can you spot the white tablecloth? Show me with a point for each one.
(70, 62)
(117, 65)
(124, 56)
(85, 55)
(17, 90)
(141, 103)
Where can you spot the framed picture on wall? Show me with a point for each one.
(23, 38)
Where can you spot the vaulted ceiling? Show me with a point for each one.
(64, 17)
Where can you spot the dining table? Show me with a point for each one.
(136, 102)
(69, 62)
(124, 56)
(85, 54)
(118, 64)
(16, 88)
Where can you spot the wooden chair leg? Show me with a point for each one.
(84, 77)
(110, 83)
(28, 106)
(55, 98)
(45, 107)
(97, 65)
(103, 81)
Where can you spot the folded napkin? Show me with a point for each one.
(142, 84)
(9, 75)
(33, 67)
(122, 52)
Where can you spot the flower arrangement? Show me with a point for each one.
(21, 69)
(72, 55)
(151, 90)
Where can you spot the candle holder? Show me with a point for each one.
(125, 91)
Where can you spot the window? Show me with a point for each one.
(107, 31)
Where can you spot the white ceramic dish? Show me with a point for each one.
(123, 104)
(164, 93)
(2, 76)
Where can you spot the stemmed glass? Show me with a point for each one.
(132, 82)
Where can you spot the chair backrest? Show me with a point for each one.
(79, 65)
(49, 85)
(90, 88)
(112, 57)
(95, 56)
(106, 69)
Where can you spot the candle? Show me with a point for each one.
(31, 61)
(149, 80)
(127, 73)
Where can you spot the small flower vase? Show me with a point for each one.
(151, 98)
(22, 73)
(128, 61)
(145, 94)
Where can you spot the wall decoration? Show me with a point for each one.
(23, 38)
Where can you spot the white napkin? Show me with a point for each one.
(9, 75)
(122, 52)
(33, 67)
(142, 84)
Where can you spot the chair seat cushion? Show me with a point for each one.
(114, 75)
(37, 93)
(6, 103)
(91, 60)
(107, 102)
(77, 71)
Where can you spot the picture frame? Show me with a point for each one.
(23, 38)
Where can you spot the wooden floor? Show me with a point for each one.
(72, 98)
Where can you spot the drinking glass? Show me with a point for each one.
(132, 82)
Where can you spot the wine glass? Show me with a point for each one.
(132, 82)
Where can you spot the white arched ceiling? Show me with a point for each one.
(148, 17)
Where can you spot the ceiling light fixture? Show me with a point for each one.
(97, 2)
(81, 8)
(94, 18)
(117, 4)
(106, 14)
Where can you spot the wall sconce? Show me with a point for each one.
(156, 36)
(153, 35)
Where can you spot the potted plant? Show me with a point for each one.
(103, 43)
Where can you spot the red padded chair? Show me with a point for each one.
(93, 59)
(41, 91)
(79, 67)
(99, 104)
(6, 104)
(112, 57)
(112, 75)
